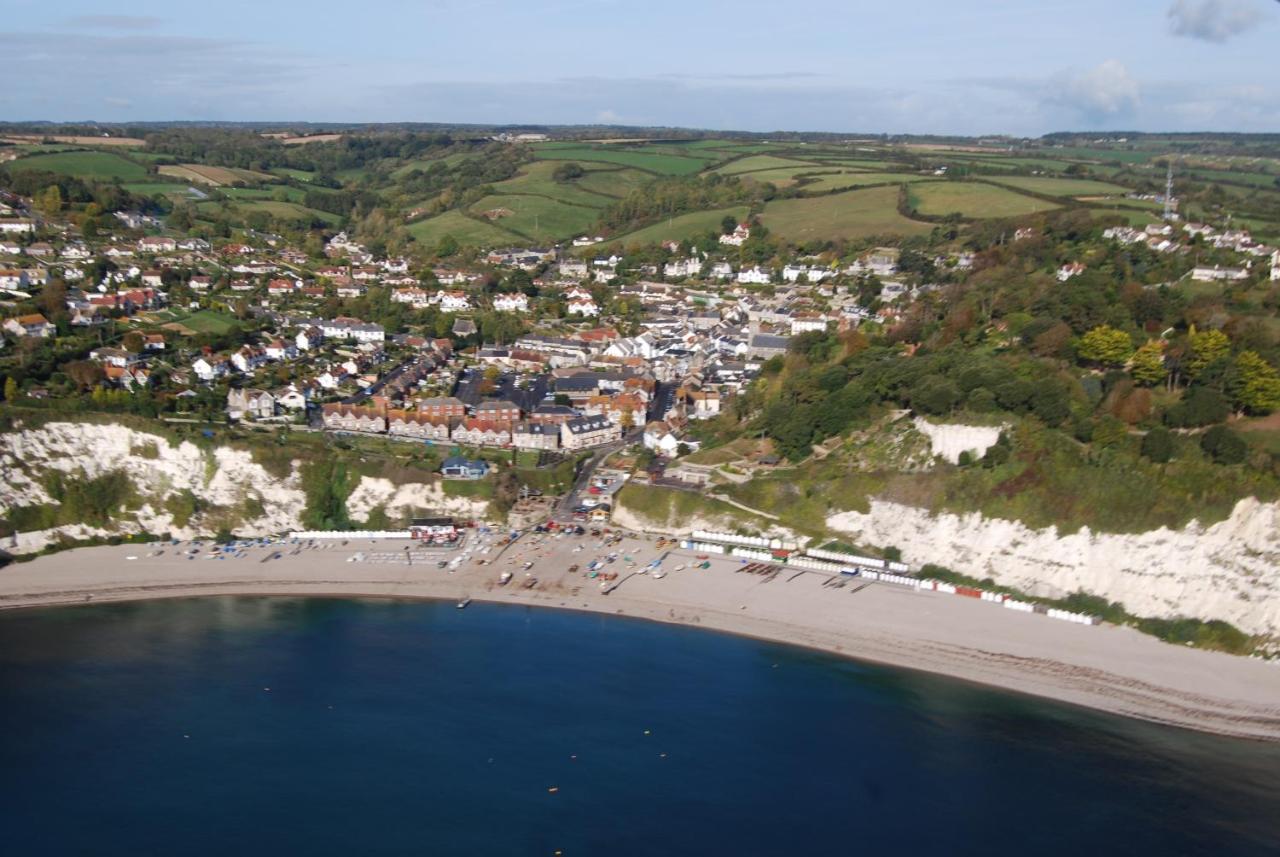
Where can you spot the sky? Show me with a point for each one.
(970, 67)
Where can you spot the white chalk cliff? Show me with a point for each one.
(226, 481)
(1229, 570)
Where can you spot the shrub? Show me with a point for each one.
(1158, 445)
(1224, 446)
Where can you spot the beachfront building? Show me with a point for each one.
(585, 432)
(458, 467)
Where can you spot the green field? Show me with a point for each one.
(974, 200)
(785, 177)
(89, 165)
(693, 225)
(841, 181)
(426, 163)
(758, 163)
(290, 211)
(655, 162)
(206, 321)
(536, 179)
(159, 189)
(465, 230)
(1061, 187)
(613, 182)
(537, 217)
(856, 214)
(287, 172)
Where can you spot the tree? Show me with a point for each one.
(133, 342)
(1158, 445)
(1206, 347)
(1254, 384)
(728, 223)
(1201, 406)
(11, 390)
(1147, 366)
(446, 246)
(568, 171)
(1224, 446)
(85, 373)
(50, 201)
(935, 395)
(1106, 345)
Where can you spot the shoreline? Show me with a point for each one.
(1106, 668)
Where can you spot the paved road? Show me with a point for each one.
(564, 509)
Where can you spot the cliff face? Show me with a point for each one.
(1229, 570)
(179, 488)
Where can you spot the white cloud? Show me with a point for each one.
(1213, 20)
(1106, 90)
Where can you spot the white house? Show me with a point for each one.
(738, 236)
(755, 275)
(208, 368)
(585, 307)
(18, 226)
(1205, 274)
(452, 301)
(518, 302)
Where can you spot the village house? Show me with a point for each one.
(34, 324)
(476, 432)
(659, 437)
(13, 278)
(754, 276)
(415, 297)
(309, 338)
(339, 417)
(738, 236)
(209, 367)
(153, 342)
(453, 301)
(250, 404)
(584, 307)
(1069, 270)
(517, 302)
(40, 250)
(584, 432)
(442, 408)
(498, 410)
(18, 226)
(535, 435)
(457, 467)
(157, 244)
(1217, 273)
(411, 425)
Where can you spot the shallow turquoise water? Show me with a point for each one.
(398, 727)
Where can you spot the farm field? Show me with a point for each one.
(758, 163)
(851, 162)
(117, 142)
(204, 321)
(290, 173)
(612, 182)
(215, 176)
(658, 163)
(465, 230)
(90, 165)
(842, 181)
(290, 211)
(536, 179)
(973, 199)
(692, 225)
(427, 163)
(159, 189)
(537, 217)
(1060, 187)
(856, 214)
(785, 177)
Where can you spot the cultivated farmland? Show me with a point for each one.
(89, 165)
(465, 230)
(973, 199)
(856, 214)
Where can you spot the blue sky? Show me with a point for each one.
(910, 66)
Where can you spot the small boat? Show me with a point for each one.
(462, 605)
(505, 578)
(658, 575)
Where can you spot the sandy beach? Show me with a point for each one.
(1108, 668)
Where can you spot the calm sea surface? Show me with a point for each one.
(244, 726)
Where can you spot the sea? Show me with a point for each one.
(245, 726)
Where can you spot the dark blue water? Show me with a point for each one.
(416, 728)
